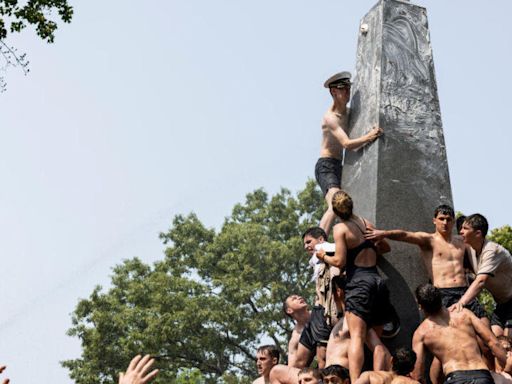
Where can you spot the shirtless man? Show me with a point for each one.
(443, 255)
(282, 374)
(452, 338)
(296, 308)
(403, 361)
(335, 374)
(309, 376)
(266, 357)
(334, 140)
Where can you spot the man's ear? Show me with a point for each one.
(275, 361)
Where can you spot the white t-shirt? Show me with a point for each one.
(315, 262)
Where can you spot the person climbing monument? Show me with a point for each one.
(334, 139)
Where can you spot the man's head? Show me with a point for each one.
(444, 219)
(505, 342)
(335, 374)
(309, 376)
(474, 229)
(459, 221)
(429, 298)
(294, 304)
(266, 357)
(342, 205)
(338, 283)
(339, 86)
(312, 237)
(403, 361)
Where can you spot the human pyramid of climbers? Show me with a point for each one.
(352, 308)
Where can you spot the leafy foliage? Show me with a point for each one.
(503, 236)
(209, 303)
(16, 15)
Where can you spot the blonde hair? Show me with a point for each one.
(342, 205)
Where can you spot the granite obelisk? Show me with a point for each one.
(398, 180)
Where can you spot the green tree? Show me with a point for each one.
(503, 236)
(210, 302)
(16, 15)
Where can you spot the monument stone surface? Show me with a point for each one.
(397, 181)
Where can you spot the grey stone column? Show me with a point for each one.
(397, 181)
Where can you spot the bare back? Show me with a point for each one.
(354, 236)
(451, 337)
(333, 125)
(337, 346)
(444, 261)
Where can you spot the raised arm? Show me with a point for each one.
(421, 239)
(381, 244)
(340, 255)
(332, 124)
(488, 337)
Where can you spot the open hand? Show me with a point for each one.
(374, 234)
(136, 372)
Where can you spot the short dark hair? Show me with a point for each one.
(315, 372)
(403, 361)
(315, 232)
(272, 351)
(458, 223)
(429, 297)
(478, 222)
(285, 307)
(505, 340)
(336, 370)
(445, 209)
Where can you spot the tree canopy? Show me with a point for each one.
(215, 296)
(16, 15)
(210, 302)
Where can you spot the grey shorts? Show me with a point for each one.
(328, 173)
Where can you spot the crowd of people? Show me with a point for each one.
(456, 342)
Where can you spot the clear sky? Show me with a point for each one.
(142, 110)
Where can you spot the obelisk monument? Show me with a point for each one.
(398, 180)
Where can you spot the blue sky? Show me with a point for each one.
(142, 110)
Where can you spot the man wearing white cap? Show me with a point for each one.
(334, 140)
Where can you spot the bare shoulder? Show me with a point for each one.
(339, 229)
(422, 329)
(404, 380)
(458, 241)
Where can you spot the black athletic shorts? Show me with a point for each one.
(475, 376)
(367, 296)
(328, 173)
(504, 314)
(452, 295)
(495, 321)
(316, 332)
